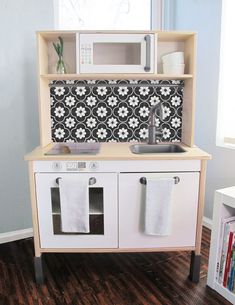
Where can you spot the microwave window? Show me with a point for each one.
(116, 53)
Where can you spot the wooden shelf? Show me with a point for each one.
(114, 76)
(165, 43)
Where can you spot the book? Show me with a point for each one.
(227, 224)
(228, 259)
(230, 282)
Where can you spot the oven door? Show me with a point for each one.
(115, 53)
(102, 212)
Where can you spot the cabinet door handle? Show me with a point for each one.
(147, 38)
(143, 180)
(92, 180)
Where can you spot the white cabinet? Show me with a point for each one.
(131, 210)
(224, 207)
(103, 212)
(116, 208)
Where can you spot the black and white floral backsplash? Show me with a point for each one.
(117, 111)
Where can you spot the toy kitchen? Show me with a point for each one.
(117, 169)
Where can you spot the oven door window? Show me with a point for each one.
(96, 212)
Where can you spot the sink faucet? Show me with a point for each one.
(152, 127)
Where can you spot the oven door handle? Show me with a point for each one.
(92, 180)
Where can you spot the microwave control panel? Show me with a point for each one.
(86, 54)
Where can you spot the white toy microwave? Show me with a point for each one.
(115, 53)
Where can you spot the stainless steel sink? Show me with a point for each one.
(156, 149)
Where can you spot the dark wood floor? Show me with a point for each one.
(110, 279)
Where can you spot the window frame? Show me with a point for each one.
(222, 139)
(163, 20)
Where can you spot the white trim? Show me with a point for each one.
(15, 235)
(157, 16)
(56, 14)
(160, 19)
(207, 222)
(168, 11)
(226, 145)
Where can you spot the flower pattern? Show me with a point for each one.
(91, 122)
(123, 91)
(101, 133)
(165, 91)
(154, 100)
(91, 101)
(101, 91)
(59, 91)
(114, 111)
(133, 101)
(144, 91)
(175, 101)
(70, 122)
(102, 111)
(166, 112)
(91, 141)
(176, 122)
(59, 112)
(80, 91)
(122, 112)
(144, 112)
(70, 101)
(144, 133)
(59, 133)
(80, 112)
(80, 133)
(123, 133)
(112, 122)
(166, 133)
(112, 101)
(133, 122)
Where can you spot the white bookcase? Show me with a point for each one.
(224, 207)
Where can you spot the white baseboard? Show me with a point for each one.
(207, 222)
(15, 235)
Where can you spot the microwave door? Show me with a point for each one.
(116, 53)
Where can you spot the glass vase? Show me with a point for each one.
(60, 66)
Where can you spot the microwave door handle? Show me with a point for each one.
(147, 38)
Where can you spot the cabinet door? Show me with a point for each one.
(131, 211)
(102, 212)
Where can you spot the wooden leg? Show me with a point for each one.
(38, 267)
(194, 274)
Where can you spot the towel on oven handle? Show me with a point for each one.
(74, 203)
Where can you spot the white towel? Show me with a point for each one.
(158, 206)
(74, 203)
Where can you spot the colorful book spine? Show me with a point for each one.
(230, 284)
(220, 249)
(223, 253)
(228, 259)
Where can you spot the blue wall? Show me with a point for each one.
(204, 17)
(18, 104)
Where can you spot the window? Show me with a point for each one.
(108, 14)
(226, 103)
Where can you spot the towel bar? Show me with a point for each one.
(143, 180)
(92, 180)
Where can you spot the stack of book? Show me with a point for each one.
(225, 273)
